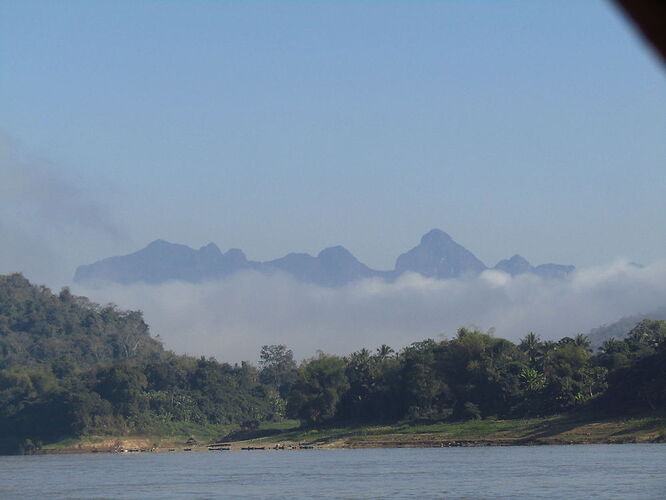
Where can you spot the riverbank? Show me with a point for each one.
(558, 429)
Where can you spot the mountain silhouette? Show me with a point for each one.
(436, 256)
(518, 265)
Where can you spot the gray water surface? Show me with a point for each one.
(554, 472)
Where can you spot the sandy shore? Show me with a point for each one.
(137, 446)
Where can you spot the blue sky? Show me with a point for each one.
(516, 126)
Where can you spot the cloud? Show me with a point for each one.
(231, 319)
(42, 211)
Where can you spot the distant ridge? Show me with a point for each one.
(436, 256)
(621, 327)
(162, 261)
(518, 265)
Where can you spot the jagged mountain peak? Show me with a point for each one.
(163, 247)
(336, 253)
(437, 255)
(518, 259)
(235, 253)
(436, 237)
(158, 243)
(161, 244)
(211, 248)
(517, 264)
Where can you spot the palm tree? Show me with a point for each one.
(532, 346)
(384, 351)
(582, 340)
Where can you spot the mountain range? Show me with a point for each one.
(436, 256)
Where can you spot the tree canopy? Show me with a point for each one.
(69, 367)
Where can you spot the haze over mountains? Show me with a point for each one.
(436, 256)
(619, 329)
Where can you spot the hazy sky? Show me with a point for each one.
(516, 126)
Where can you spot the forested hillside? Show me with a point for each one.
(69, 368)
(42, 329)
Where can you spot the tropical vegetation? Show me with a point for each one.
(70, 367)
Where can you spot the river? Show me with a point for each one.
(630, 471)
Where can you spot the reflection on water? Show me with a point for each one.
(554, 472)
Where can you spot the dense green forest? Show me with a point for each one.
(69, 367)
